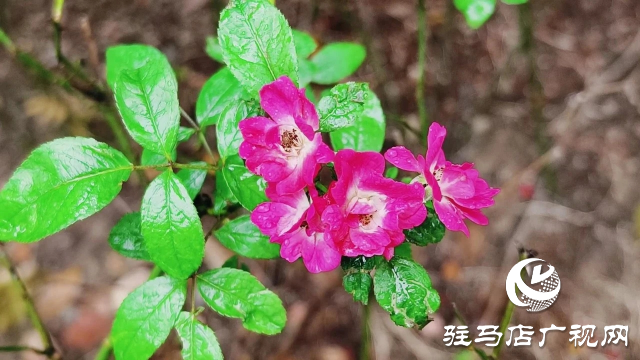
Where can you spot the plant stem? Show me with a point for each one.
(105, 350)
(45, 337)
(189, 119)
(508, 313)
(175, 165)
(365, 342)
(193, 294)
(204, 142)
(462, 321)
(422, 60)
(18, 348)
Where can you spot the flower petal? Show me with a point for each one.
(450, 216)
(318, 255)
(402, 158)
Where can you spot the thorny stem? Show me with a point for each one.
(422, 60)
(104, 353)
(45, 337)
(508, 313)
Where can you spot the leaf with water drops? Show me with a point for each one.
(245, 186)
(126, 237)
(220, 91)
(366, 133)
(342, 106)
(198, 340)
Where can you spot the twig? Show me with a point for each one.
(18, 348)
(45, 337)
(92, 48)
(422, 60)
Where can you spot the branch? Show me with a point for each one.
(422, 60)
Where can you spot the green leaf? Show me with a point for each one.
(171, 227)
(257, 44)
(149, 157)
(515, 2)
(126, 237)
(221, 90)
(185, 133)
(403, 288)
(245, 186)
(238, 294)
(234, 263)
(198, 340)
(366, 133)
(306, 71)
(227, 132)
(222, 196)
(403, 250)
(192, 179)
(304, 43)
(476, 12)
(431, 231)
(357, 279)
(61, 182)
(343, 106)
(212, 48)
(147, 99)
(391, 172)
(336, 61)
(146, 316)
(128, 57)
(241, 236)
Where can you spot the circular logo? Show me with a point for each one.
(544, 286)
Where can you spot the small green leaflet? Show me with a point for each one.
(343, 106)
(391, 172)
(61, 182)
(227, 131)
(128, 57)
(222, 196)
(257, 44)
(126, 237)
(246, 187)
(476, 12)
(304, 43)
(337, 61)
(431, 231)
(171, 227)
(403, 288)
(149, 157)
(198, 340)
(366, 133)
(238, 294)
(213, 49)
(220, 91)
(192, 179)
(357, 279)
(241, 236)
(515, 2)
(306, 70)
(147, 99)
(146, 317)
(234, 263)
(185, 133)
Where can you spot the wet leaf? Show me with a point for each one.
(220, 91)
(366, 133)
(198, 340)
(241, 236)
(246, 187)
(192, 179)
(343, 106)
(431, 231)
(357, 279)
(128, 57)
(126, 237)
(337, 61)
(227, 131)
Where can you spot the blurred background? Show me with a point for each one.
(544, 98)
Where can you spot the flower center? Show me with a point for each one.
(291, 141)
(438, 174)
(365, 219)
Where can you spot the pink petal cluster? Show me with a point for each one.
(457, 191)
(362, 213)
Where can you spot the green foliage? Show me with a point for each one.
(61, 182)
(126, 237)
(304, 43)
(147, 99)
(238, 294)
(198, 341)
(244, 238)
(391, 172)
(337, 61)
(222, 197)
(146, 317)
(431, 231)
(246, 187)
(357, 279)
(219, 92)
(366, 133)
(192, 179)
(213, 49)
(403, 288)
(227, 131)
(257, 44)
(171, 227)
(343, 106)
(476, 12)
(128, 57)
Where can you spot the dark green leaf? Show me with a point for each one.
(147, 99)
(192, 179)
(357, 279)
(336, 61)
(198, 340)
(126, 237)
(257, 44)
(171, 227)
(403, 288)
(213, 48)
(242, 237)
(476, 12)
(128, 57)
(146, 317)
(221, 90)
(227, 131)
(245, 186)
(431, 231)
(304, 43)
(366, 133)
(238, 294)
(61, 182)
(343, 106)
(403, 250)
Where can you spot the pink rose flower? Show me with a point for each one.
(285, 149)
(293, 221)
(368, 211)
(458, 192)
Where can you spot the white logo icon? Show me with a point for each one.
(533, 299)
